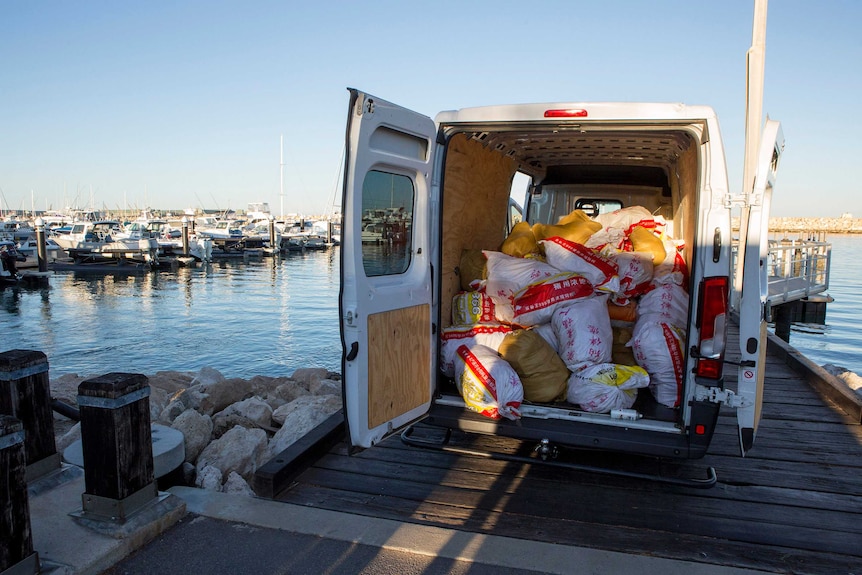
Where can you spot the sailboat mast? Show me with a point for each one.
(281, 175)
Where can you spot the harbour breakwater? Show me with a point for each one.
(842, 225)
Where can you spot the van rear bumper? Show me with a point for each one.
(680, 445)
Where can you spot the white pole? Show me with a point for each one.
(754, 72)
(281, 175)
(755, 66)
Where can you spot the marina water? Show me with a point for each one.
(270, 316)
(264, 316)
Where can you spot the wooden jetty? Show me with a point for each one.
(793, 505)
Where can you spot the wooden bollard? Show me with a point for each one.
(117, 445)
(25, 393)
(16, 538)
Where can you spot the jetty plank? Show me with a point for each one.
(791, 505)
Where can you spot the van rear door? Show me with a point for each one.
(755, 287)
(385, 300)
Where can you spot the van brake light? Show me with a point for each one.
(712, 321)
(566, 113)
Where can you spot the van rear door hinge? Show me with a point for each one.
(724, 396)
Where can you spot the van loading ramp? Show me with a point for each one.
(791, 506)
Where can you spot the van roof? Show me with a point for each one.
(589, 111)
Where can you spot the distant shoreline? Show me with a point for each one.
(812, 225)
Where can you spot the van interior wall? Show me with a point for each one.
(684, 192)
(475, 204)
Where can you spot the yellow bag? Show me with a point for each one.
(576, 227)
(520, 242)
(644, 240)
(543, 374)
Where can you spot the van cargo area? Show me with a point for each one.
(595, 317)
(571, 168)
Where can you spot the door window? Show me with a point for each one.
(387, 223)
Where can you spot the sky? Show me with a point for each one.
(184, 104)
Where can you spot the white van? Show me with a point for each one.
(434, 190)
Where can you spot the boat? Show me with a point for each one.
(9, 260)
(29, 248)
(102, 240)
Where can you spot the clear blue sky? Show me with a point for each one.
(175, 104)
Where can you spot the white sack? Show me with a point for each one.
(658, 349)
(666, 302)
(574, 257)
(546, 330)
(606, 386)
(536, 303)
(584, 333)
(451, 338)
(488, 384)
(635, 271)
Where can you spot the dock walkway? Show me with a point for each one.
(793, 505)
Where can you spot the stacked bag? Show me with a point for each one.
(586, 311)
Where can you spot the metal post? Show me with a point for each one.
(41, 248)
(116, 441)
(273, 241)
(185, 236)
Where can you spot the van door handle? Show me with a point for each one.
(354, 351)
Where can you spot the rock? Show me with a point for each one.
(209, 477)
(309, 375)
(325, 387)
(171, 381)
(298, 418)
(197, 431)
(159, 399)
(852, 379)
(224, 423)
(291, 390)
(190, 398)
(253, 409)
(237, 485)
(207, 375)
(68, 438)
(65, 388)
(263, 386)
(218, 395)
(189, 473)
(240, 450)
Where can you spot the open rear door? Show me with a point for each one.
(755, 288)
(385, 301)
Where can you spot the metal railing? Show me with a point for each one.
(796, 268)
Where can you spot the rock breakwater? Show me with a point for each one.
(230, 426)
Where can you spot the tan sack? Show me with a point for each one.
(543, 374)
(644, 240)
(472, 267)
(520, 242)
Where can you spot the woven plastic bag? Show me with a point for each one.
(543, 374)
(488, 384)
(536, 303)
(658, 348)
(606, 386)
(451, 338)
(584, 333)
(574, 257)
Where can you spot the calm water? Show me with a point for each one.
(270, 317)
(265, 317)
(842, 343)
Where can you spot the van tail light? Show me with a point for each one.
(712, 321)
